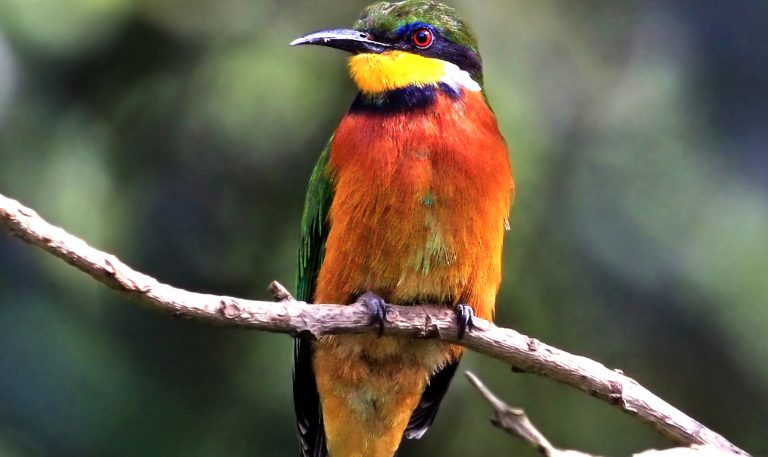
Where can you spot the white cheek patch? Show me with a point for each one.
(459, 79)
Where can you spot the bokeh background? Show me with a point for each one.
(180, 134)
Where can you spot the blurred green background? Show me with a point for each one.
(180, 134)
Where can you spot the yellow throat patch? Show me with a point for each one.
(376, 73)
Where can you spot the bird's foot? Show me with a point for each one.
(377, 307)
(464, 315)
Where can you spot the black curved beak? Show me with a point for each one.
(344, 39)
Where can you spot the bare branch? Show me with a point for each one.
(693, 451)
(515, 422)
(289, 316)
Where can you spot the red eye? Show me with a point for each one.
(423, 38)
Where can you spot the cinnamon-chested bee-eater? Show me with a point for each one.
(407, 205)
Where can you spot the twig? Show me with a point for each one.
(693, 451)
(279, 292)
(289, 316)
(515, 422)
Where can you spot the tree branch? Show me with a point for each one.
(515, 422)
(523, 353)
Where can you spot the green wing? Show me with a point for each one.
(314, 232)
(314, 227)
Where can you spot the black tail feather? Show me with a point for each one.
(306, 401)
(424, 414)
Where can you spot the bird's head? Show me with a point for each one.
(408, 43)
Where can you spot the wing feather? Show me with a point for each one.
(314, 232)
(424, 414)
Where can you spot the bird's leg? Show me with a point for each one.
(377, 307)
(464, 315)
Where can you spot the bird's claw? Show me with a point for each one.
(377, 308)
(464, 315)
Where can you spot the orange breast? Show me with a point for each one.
(419, 208)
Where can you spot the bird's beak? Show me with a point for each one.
(347, 40)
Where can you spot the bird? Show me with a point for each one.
(407, 205)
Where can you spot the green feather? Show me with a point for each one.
(314, 227)
(388, 17)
